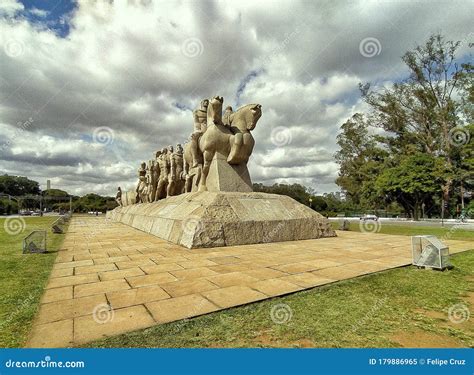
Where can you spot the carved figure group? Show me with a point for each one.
(176, 171)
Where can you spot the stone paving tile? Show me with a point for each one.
(72, 280)
(86, 328)
(225, 268)
(122, 258)
(225, 260)
(95, 269)
(337, 273)
(62, 272)
(295, 268)
(63, 258)
(57, 294)
(120, 274)
(71, 308)
(265, 273)
(183, 287)
(197, 263)
(90, 256)
(157, 268)
(307, 279)
(322, 263)
(79, 263)
(231, 279)
(134, 263)
(156, 278)
(136, 296)
(233, 296)
(275, 287)
(130, 269)
(193, 273)
(168, 259)
(52, 335)
(100, 287)
(180, 308)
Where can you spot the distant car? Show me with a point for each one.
(36, 214)
(369, 217)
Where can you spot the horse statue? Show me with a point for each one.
(233, 139)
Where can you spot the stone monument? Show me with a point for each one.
(201, 196)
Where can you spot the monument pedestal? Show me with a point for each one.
(225, 177)
(211, 219)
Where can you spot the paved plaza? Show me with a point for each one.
(110, 278)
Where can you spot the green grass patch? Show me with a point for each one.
(361, 312)
(448, 233)
(23, 278)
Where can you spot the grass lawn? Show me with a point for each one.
(404, 307)
(449, 233)
(22, 278)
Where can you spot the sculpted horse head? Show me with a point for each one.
(245, 118)
(242, 122)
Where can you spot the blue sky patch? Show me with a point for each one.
(52, 14)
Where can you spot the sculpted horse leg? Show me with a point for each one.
(208, 155)
(236, 143)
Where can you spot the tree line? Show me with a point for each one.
(413, 146)
(17, 193)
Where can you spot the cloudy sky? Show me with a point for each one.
(91, 88)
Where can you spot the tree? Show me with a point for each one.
(298, 192)
(415, 179)
(359, 158)
(420, 113)
(17, 186)
(428, 113)
(94, 202)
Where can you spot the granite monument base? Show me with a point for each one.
(212, 219)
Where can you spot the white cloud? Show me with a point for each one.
(131, 67)
(9, 8)
(38, 12)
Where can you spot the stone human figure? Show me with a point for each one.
(149, 180)
(176, 177)
(226, 116)
(200, 116)
(200, 126)
(163, 164)
(141, 187)
(155, 175)
(118, 196)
